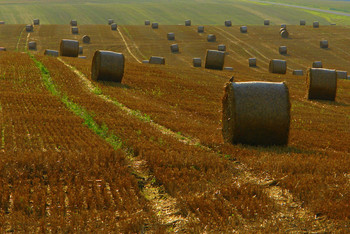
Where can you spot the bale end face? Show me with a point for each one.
(256, 113)
(278, 66)
(107, 66)
(284, 33)
(69, 48)
(215, 59)
(321, 84)
(86, 39)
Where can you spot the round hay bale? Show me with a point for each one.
(266, 22)
(197, 62)
(278, 66)
(302, 22)
(145, 61)
(154, 25)
(252, 62)
(324, 44)
(187, 22)
(317, 64)
(348, 77)
(333, 24)
(74, 23)
(147, 22)
(284, 34)
(82, 57)
(86, 39)
(110, 21)
(107, 66)
(321, 84)
(75, 30)
(69, 48)
(53, 53)
(221, 47)
(298, 72)
(228, 68)
(282, 29)
(29, 28)
(211, 38)
(2, 22)
(284, 26)
(244, 29)
(2, 49)
(80, 50)
(114, 26)
(174, 48)
(157, 60)
(282, 49)
(36, 21)
(316, 24)
(32, 45)
(228, 23)
(215, 59)
(171, 36)
(200, 29)
(342, 74)
(256, 113)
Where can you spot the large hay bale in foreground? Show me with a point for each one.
(266, 22)
(284, 33)
(154, 25)
(221, 47)
(211, 38)
(86, 39)
(197, 62)
(187, 22)
(75, 30)
(278, 66)
(298, 72)
(81, 50)
(32, 45)
(171, 36)
(147, 22)
(200, 29)
(36, 21)
(321, 84)
(324, 44)
(256, 113)
(174, 48)
(114, 26)
(252, 62)
(69, 48)
(215, 59)
(316, 24)
(342, 74)
(228, 23)
(53, 53)
(282, 49)
(317, 64)
(107, 66)
(110, 21)
(243, 29)
(157, 60)
(73, 23)
(302, 22)
(29, 28)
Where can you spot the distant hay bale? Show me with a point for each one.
(82, 57)
(316, 24)
(298, 72)
(36, 21)
(32, 45)
(2, 22)
(114, 26)
(197, 62)
(282, 49)
(29, 28)
(110, 21)
(317, 64)
(266, 22)
(211, 38)
(244, 29)
(284, 26)
(187, 22)
(147, 22)
(2, 49)
(171, 36)
(145, 61)
(107, 66)
(256, 113)
(228, 68)
(228, 23)
(174, 48)
(200, 29)
(252, 62)
(75, 30)
(284, 33)
(80, 50)
(302, 22)
(342, 74)
(322, 84)
(74, 23)
(69, 48)
(86, 39)
(278, 66)
(333, 24)
(221, 47)
(157, 60)
(154, 25)
(324, 44)
(53, 53)
(215, 59)
(348, 77)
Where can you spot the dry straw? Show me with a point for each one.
(171, 36)
(298, 72)
(157, 60)
(282, 49)
(147, 22)
(53, 53)
(69, 48)
(154, 25)
(107, 66)
(211, 38)
(321, 84)
(228, 23)
(317, 64)
(75, 30)
(29, 28)
(174, 48)
(200, 29)
(244, 29)
(278, 66)
(316, 24)
(221, 48)
(114, 26)
(252, 62)
(266, 22)
(302, 22)
(215, 59)
(187, 22)
(256, 113)
(324, 44)
(74, 23)
(32, 45)
(342, 74)
(197, 62)
(110, 21)
(36, 21)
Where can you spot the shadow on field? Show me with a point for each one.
(332, 103)
(115, 84)
(280, 149)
